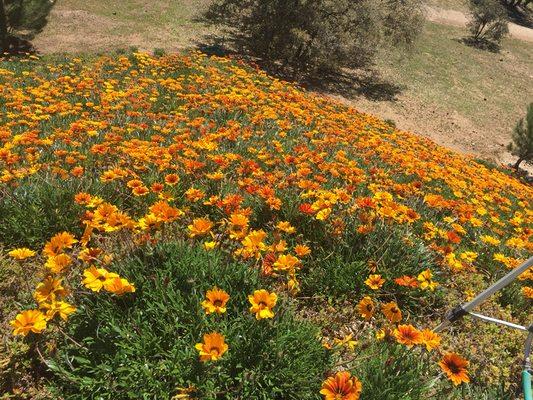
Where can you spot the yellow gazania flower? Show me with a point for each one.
(286, 262)
(322, 215)
(375, 281)
(95, 278)
(200, 227)
(61, 308)
(117, 285)
(21, 253)
(366, 307)
(286, 227)
(212, 348)
(57, 264)
(210, 245)
(430, 339)
(408, 335)
(49, 290)
(392, 312)
(215, 302)
(425, 280)
(262, 303)
(28, 321)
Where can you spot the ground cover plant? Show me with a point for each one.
(186, 226)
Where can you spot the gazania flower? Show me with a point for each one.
(22, 253)
(28, 321)
(392, 312)
(286, 262)
(117, 285)
(262, 303)
(286, 227)
(341, 386)
(172, 179)
(408, 335)
(302, 250)
(58, 243)
(48, 290)
(407, 281)
(454, 366)
(212, 348)
(366, 307)
(57, 264)
(430, 339)
(215, 301)
(375, 282)
(61, 308)
(200, 227)
(95, 278)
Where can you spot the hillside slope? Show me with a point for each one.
(334, 209)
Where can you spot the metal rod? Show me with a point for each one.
(464, 309)
(506, 280)
(498, 321)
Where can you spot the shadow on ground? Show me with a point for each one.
(347, 83)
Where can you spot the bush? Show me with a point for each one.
(144, 347)
(522, 144)
(27, 15)
(488, 24)
(318, 36)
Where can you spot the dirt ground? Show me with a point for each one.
(430, 108)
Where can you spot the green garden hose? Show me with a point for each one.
(526, 382)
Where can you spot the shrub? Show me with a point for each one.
(144, 347)
(27, 15)
(320, 35)
(488, 24)
(522, 144)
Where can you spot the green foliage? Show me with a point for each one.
(142, 346)
(321, 35)
(393, 372)
(27, 15)
(488, 24)
(32, 213)
(522, 144)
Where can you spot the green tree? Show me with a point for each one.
(308, 36)
(488, 24)
(522, 144)
(29, 16)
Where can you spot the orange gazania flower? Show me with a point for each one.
(286, 262)
(342, 386)
(407, 281)
(58, 243)
(454, 366)
(212, 347)
(200, 227)
(375, 281)
(302, 250)
(58, 263)
(215, 301)
(262, 303)
(28, 321)
(172, 179)
(366, 307)
(408, 335)
(118, 285)
(392, 312)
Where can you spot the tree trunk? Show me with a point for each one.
(516, 165)
(3, 27)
